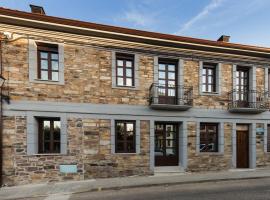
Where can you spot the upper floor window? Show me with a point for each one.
(49, 135)
(48, 62)
(124, 70)
(208, 137)
(125, 137)
(242, 84)
(209, 77)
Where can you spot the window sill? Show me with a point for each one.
(48, 154)
(126, 154)
(209, 93)
(125, 87)
(210, 153)
(47, 82)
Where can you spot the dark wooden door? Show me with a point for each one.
(242, 144)
(167, 82)
(166, 144)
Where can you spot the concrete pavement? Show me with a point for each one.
(71, 187)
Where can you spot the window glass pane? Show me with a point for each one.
(130, 126)
(120, 146)
(120, 71)
(46, 130)
(204, 88)
(128, 72)
(161, 74)
(128, 64)
(171, 67)
(119, 126)
(171, 75)
(161, 92)
(203, 79)
(47, 147)
(209, 139)
(44, 64)
(130, 147)
(120, 130)
(44, 55)
(129, 82)
(210, 88)
(120, 135)
(56, 147)
(161, 82)
(55, 76)
(44, 75)
(204, 71)
(171, 83)
(171, 92)
(210, 79)
(130, 136)
(54, 56)
(56, 132)
(120, 81)
(210, 71)
(120, 63)
(54, 65)
(161, 67)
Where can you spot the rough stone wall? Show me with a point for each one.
(191, 78)
(209, 161)
(88, 77)
(260, 79)
(100, 162)
(9, 134)
(89, 147)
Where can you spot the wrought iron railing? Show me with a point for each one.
(170, 94)
(248, 99)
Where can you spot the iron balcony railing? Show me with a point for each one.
(248, 99)
(170, 95)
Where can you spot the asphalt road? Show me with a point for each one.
(255, 189)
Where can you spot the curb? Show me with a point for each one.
(99, 189)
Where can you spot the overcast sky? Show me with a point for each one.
(246, 21)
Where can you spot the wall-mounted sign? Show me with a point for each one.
(67, 169)
(260, 131)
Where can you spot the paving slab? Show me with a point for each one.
(71, 187)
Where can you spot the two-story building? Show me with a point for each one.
(92, 101)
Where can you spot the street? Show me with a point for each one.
(253, 189)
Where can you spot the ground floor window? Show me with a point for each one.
(125, 137)
(208, 137)
(49, 135)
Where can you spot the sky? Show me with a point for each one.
(246, 21)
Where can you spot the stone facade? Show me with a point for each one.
(91, 105)
(89, 147)
(212, 161)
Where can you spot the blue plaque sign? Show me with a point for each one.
(67, 169)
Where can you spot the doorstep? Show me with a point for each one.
(168, 170)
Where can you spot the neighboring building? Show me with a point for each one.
(94, 101)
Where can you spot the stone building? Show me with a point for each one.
(93, 101)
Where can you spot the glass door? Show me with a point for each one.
(167, 90)
(166, 144)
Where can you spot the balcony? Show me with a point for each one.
(164, 97)
(248, 101)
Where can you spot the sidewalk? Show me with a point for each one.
(38, 190)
